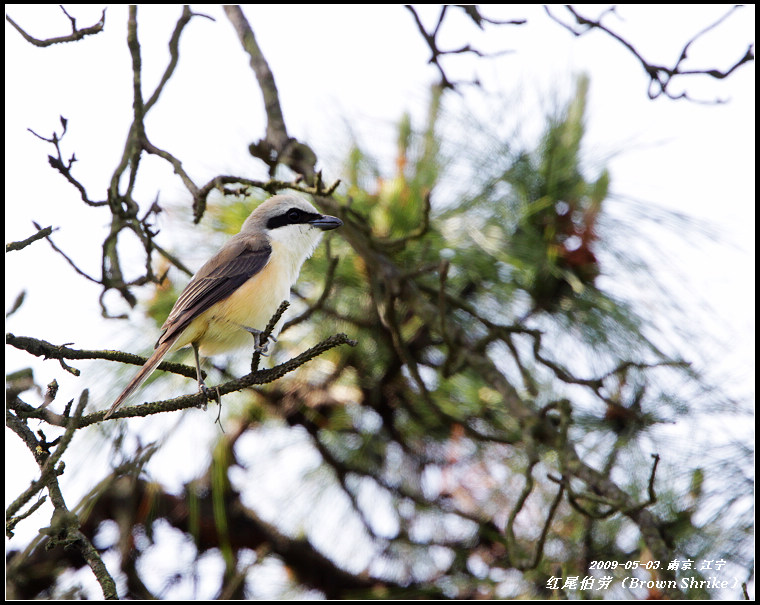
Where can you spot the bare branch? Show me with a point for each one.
(277, 146)
(68, 260)
(436, 53)
(64, 167)
(64, 528)
(41, 234)
(660, 76)
(75, 35)
(47, 350)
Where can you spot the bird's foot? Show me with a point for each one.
(258, 347)
(209, 393)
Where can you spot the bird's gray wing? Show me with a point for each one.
(237, 261)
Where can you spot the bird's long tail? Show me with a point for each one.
(142, 375)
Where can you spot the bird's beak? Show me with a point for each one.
(326, 222)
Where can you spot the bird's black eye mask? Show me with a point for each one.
(293, 216)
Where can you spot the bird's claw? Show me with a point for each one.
(209, 393)
(258, 347)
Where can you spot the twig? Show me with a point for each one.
(660, 76)
(76, 34)
(68, 260)
(256, 358)
(436, 52)
(42, 233)
(64, 526)
(47, 350)
(277, 146)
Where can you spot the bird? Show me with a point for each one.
(235, 293)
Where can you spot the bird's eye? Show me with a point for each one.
(294, 215)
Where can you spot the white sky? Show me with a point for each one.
(360, 66)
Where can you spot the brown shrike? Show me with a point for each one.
(235, 294)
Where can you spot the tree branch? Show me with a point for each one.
(75, 35)
(660, 76)
(277, 146)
